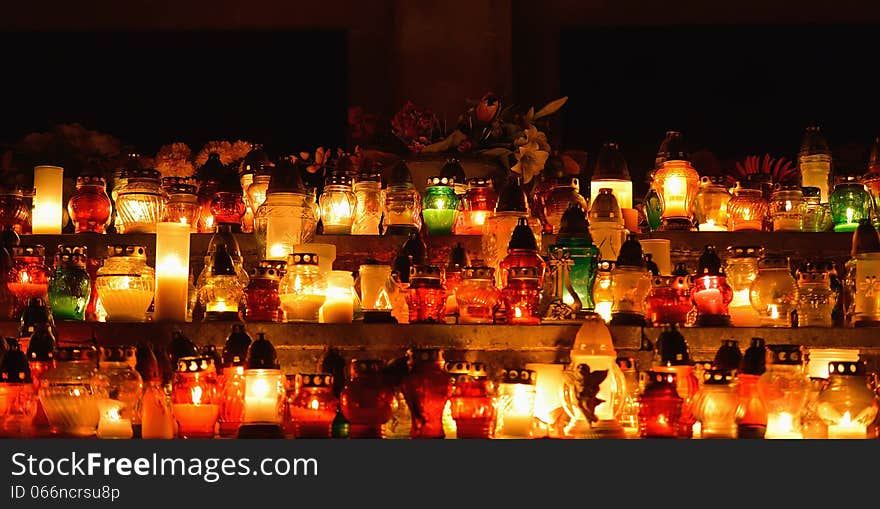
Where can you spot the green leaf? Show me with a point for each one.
(551, 108)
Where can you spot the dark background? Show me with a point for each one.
(285, 88)
(734, 90)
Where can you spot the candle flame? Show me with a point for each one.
(209, 221)
(196, 395)
(479, 217)
(25, 278)
(846, 420)
(661, 419)
(517, 312)
(849, 214)
(260, 388)
(183, 220)
(112, 414)
(297, 284)
(383, 301)
(788, 205)
(710, 222)
(774, 312)
(314, 404)
(277, 250)
(603, 309)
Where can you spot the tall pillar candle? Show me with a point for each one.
(660, 253)
(172, 271)
(48, 186)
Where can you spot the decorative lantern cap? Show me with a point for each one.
(606, 265)
(479, 182)
(651, 265)
(710, 263)
(254, 159)
(814, 142)
(76, 353)
(338, 179)
(14, 368)
(29, 251)
(127, 250)
(195, 364)
(718, 377)
(773, 261)
(261, 354)
(728, 356)
(511, 197)
(266, 272)
(90, 180)
(841, 368)
(522, 273)
(479, 272)
(790, 355)
(478, 370)
(593, 338)
(660, 384)
(610, 164)
(865, 239)
(236, 347)
(417, 355)
(453, 170)
(631, 254)
(222, 264)
(574, 224)
(458, 258)
(314, 380)
(400, 176)
(181, 346)
(425, 272)
(754, 361)
(605, 207)
(673, 348)
(680, 270)
(458, 367)
(672, 149)
(120, 353)
(279, 266)
(286, 177)
(370, 176)
(522, 237)
(745, 251)
(146, 363)
(519, 376)
(142, 174)
(302, 259)
(365, 366)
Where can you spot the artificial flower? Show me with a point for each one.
(530, 161)
(172, 160)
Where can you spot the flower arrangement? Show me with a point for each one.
(756, 169)
(174, 160)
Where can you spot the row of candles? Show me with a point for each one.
(769, 391)
(750, 288)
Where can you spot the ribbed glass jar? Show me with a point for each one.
(67, 395)
(89, 208)
(141, 201)
(126, 283)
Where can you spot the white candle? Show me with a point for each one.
(339, 303)
(263, 393)
(781, 426)
(111, 424)
(710, 226)
(373, 280)
(48, 186)
(846, 428)
(172, 271)
(548, 390)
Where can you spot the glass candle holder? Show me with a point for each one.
(612, 172)
(710, 205)
(606, 225)
(339, 303)
(18, 397)
(285, 220)
(427, 388)
(230, 382)
(312, 408)
(711, 294)
(303, 288)
(67, 395)
(477, 296)
(850, 202)
(669, 301)
(126, 283)
(774, 292)
(257, 189)
(195, 397)
(659, 407)
(751, 413)
(674, 358)
(816, 299)
(576, 245)
(366, 399)
(787, 209)
(846, 403)
(471, 404)
(560, 194)
(89, 207)
(814, 161)
(120, 411)
(262, 295)
(477, 205)
(183, 203)
(29, 275)
(440, 205)
(375, 284)
(715, 405)
(403, 204)
(70, 286)
(862, 283)
(140, 202)
(263, 388)
(817, 215)
(516, 404)
(48, 207)
(784, 387)
(426, 295)
(630, 286)
(227, 207)
(337, 204)
(677, 183)
(747, 210)
(370, 204)
(741, 268)
(15, 211)
(522, 251)
(521, 296)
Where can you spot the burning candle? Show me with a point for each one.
(196, 420)
(48, 185)
(339, 304)
(548, 391)
(516, 403)
(194, 397)
(710, 226)
(781, 426)
(111, 423)
(172, 271)
(847, 428)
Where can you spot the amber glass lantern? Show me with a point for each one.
(472, 405)
(784, 387)
(741, 268)
(522, 296)
(67, 395)
(426, 295)
(183, 202)
(29, 275)
(774, 292)
(816, 299)
(477, 204)
(194, 397)
(123, 389)
(511, 211)
(787, 209)
(516, 404)
(141, 200)
(222, 292)
(747, 210)
(337, 204)
(606, 225)
(659, 407)
(15, 210)
(561, 194)
(126, 283)
(630, 284)
(711, 294)
(262, 295)
(263, 392)
(677, 183)
(751, 412)
(313, 407)
(669, 301)
(715, 404)
(522, 251)
(710, 205)
(427, 387)
(370, 203)
(366, 399)
(231, 381)
(477, 296)
(89, 207)
(675, 358)
(603, 296)
(18, 397)
(846, 403)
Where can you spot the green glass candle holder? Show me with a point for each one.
(850, 202)
(440, 205)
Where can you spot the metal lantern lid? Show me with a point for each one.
(479, 182)
(574, 224)
(426, 354)
(425, 272)
(117, 353)
(773, 261)
(478, 272)
(14, 368)
(76, 353)
(717, 376)
(368, 175)
(181, 346)
(172, 181)
(810, 273)
(789, 355)
(180, 189)
(605, 207)
(338, 179)
(511, 197)
(728, 356)
(366, 366)
(195, 364)
(605, 265)
(29, 251)
(651, 265)
(865, 239)
(302, 259)
(71, 249)
(222, 264)
(522, 237)
(42, 345)
(458, 367)
(842, 368)
(146, 363)
(400, 176)
(254, 159)
(261, 354)
(286, 177)
(754, 361)
(127, 250)
(519, 376)
(211, 351)
(630, 254)
(814, 142)
(266, 272)
(812, 192)
(709, 263)
(90, 180)
(659, 383)
(458, 258)
(314, 380)
(610, 164)
(672, 149)
(453, 170)
(680, 270)
(143, 174)
(478, 370)
(413, 252)
(712, 180)
(236, 347)
(745, 251)
(673, 348)
(522, 273)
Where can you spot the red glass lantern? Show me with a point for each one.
(674, 358)
(522, 251)
(89, 207)
(312, 408)
(29, 276)
(262, 297)
(231, 381)
(458, 260)
(427, 388)
(18, 396)
(669, 302)
(471, 404)
(366, 399)
(194, 397)
(426, 295)
(660, 407)
(228, 208)
(477, 296)
(711, 293)
(15, 210)
(751, 412)
(478, 204)
(522, 296)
